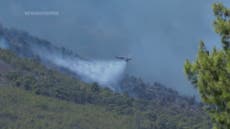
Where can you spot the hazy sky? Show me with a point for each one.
(158, 34)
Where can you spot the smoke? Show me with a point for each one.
(152, 31)
(105, 73)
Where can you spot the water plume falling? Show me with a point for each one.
(105, 73)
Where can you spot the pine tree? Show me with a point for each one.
(210, 72)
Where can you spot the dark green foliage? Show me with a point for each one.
(210, 73)
(143, 113)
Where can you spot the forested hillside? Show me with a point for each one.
(27, 78)
(158, 92)
(23, 110)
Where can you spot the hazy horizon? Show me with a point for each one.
(156, 34)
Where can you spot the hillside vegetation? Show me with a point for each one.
(26, 81)
(25, 45)
(24, 110)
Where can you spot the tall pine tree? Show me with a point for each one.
(210, 72)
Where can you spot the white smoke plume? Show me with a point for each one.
(105, 73)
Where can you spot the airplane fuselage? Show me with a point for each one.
(127, 59)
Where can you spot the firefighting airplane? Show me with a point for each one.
(127, 59)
